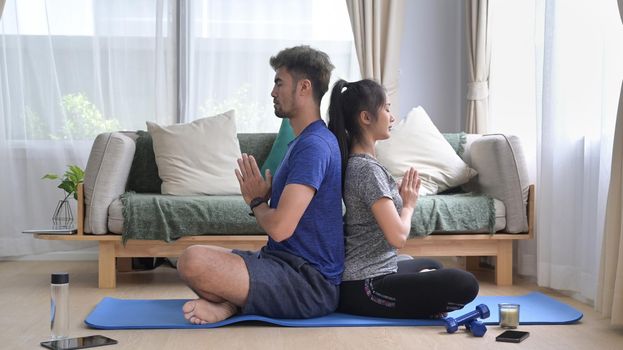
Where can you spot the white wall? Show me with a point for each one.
(433, 62)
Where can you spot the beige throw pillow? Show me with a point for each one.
(197, 157)
(416, 142)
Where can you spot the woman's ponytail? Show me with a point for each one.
(337, 123)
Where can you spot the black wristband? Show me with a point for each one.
(254, 203)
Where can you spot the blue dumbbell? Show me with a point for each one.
(477, 328)
(452, 324)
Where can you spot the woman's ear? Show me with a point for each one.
(365, 118)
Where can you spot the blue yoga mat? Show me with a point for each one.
(111, 313)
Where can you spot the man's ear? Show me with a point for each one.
(305, 86)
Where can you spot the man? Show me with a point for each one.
(297, 274)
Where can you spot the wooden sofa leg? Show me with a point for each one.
(504, 263)
(107, 273)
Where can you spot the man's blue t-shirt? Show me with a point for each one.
(313, 159)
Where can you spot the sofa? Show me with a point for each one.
(121, 178)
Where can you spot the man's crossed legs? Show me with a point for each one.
(267, 282)
(219, 277)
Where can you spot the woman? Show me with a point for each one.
(378, 220)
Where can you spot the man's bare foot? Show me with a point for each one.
(201, 311)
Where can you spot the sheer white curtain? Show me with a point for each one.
(512, 95)
(567, 88)
(70, 69)
(231, 41)
(582, 71)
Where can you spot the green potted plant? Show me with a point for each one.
(69, 183)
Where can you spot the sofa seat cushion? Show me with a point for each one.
(500, 222)
(166, 217)
(460, 212)
(115, 217)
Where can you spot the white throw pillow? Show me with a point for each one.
(416, 142)
(198, 157)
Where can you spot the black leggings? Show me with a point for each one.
(409, 293)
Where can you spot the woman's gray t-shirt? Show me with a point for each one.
(368, 254)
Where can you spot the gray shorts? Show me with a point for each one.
(283, 285)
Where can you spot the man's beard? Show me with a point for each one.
(280, 114)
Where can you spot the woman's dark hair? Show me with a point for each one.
(347, 101)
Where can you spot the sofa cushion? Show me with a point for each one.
(457, 141)
(162, 217)
(416, 142)
(115, 216)
(280, 146)
(143, 176)
(498, 157)
(257, 144)
(238, 221)
(198, 157)
(105, 178)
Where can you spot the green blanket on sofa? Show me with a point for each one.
(164, 217)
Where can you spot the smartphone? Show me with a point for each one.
(512, 336)
(78, 343)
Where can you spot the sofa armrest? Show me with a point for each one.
(502, 174)
(105, 177)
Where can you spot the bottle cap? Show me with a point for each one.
(60, 278)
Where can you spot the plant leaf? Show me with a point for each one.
(67, 186)
(73, 176)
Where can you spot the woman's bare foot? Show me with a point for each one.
(201, 311)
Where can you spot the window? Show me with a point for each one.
(232, 40)
(70, 69)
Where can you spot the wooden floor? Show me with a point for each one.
(25, 308)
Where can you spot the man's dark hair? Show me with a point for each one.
(303, 62)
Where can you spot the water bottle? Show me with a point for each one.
(59, 306)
